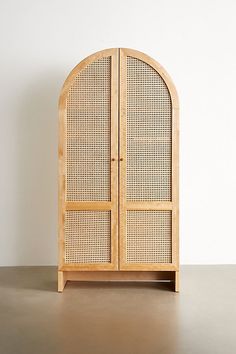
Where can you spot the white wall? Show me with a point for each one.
(43, 40)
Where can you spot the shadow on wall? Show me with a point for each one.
(37, 173)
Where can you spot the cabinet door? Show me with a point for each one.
(148, 165)
(88, 171)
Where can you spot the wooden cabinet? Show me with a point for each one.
(118, 170)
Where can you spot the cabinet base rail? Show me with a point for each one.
(158, 276)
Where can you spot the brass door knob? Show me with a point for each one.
(113, 159)
(121, 159)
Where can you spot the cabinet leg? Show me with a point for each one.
(61, 281)
(176, 282)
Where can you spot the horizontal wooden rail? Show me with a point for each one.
(88, 205)
(149, 206)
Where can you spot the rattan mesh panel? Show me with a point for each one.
(148, 236)
(88, 134)
(87, 237)
(148, 134)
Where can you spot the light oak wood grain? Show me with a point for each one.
(118, 268)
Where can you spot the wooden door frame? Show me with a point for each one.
(112, 205)
(123, 204)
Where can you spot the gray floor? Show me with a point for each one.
(137, 318)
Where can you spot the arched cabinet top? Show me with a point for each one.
(116, 53)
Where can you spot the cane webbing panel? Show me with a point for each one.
(148, 238)
(87, 237)
(148, 134)
(88, 134)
